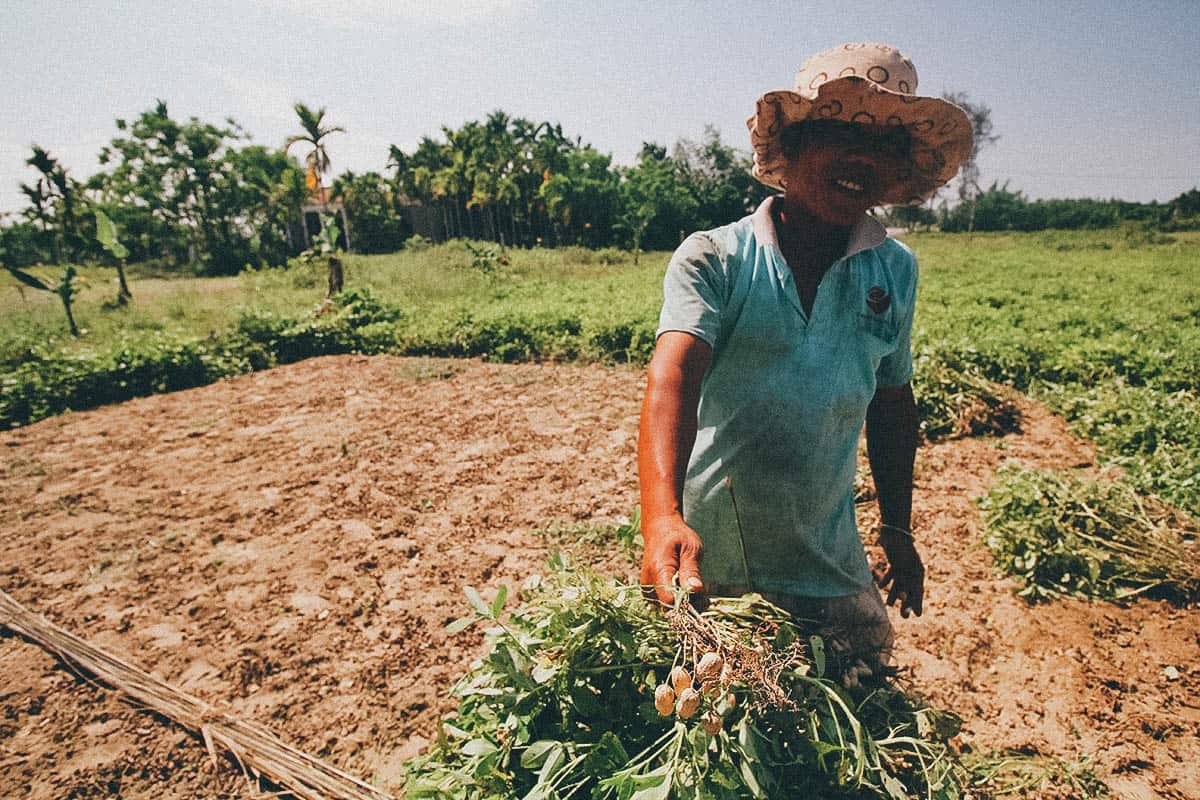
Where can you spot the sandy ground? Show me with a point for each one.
(290, 545)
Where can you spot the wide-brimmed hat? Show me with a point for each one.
(870, 84)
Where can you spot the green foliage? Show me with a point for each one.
(22, 245)
(583, 198)
(955, 399)
(417, 243)
(507, 179)
(1000, 209)
(658, 209)
(107, 236)
(328, 239)
(1104, 333)
(562, 705)
(373, 211)
(315, 131)
(486, 258)
(1065, 535)
(46, 384)
(186, 192)
(1153, 434)
(53, 384)
(57, 215)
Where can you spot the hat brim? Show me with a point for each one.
(940, 131)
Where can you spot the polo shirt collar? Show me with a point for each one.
(867, 233)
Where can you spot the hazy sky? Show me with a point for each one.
(1091, 99)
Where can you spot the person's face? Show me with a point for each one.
(841, 169)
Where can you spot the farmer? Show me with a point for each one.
(780, 335)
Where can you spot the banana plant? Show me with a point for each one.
(106, 235)
(65, 289)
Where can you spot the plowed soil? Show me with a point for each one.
(289, 545)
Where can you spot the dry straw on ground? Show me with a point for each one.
(255, 748)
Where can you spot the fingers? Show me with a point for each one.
(884, 579)
(910, 599)
(664, 579)
(689, 569)
(918, 602)
(675, 564)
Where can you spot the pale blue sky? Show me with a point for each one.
(1094, 99)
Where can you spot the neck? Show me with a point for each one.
(799, 228)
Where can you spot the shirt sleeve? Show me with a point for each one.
(896, 368)
(694, 290)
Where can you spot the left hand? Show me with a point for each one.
(905, 573)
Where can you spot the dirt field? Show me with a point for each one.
(290, 544)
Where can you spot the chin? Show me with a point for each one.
(840, 216)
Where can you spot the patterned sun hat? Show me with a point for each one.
(870, 84)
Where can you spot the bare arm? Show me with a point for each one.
(665, 438)
(892, 434)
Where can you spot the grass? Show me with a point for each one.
(1017, 774)
(436, 284)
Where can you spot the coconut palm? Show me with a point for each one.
(314, 134)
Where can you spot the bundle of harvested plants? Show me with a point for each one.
(588, 691)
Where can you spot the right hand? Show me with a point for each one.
(671, 548)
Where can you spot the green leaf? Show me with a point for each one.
(751, 779)
(460, 625)
(654, 785)
(555, 759)
(477, 603)
(608, 756)
(27, 279)
(454, 730)
(478, 747)
(542, 674)
(536, 754)
(586, 701)
(498, 603)
(106, 234)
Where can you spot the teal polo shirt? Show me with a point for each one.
(784, 400)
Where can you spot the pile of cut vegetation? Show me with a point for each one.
(1062, 534)
(587, 691)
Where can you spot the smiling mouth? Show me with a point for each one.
(853, 179)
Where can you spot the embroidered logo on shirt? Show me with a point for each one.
(878, 299)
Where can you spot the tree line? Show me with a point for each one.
(999, 208)
(200, 195)
(196, 194)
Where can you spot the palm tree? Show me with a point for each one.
(314, 134)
